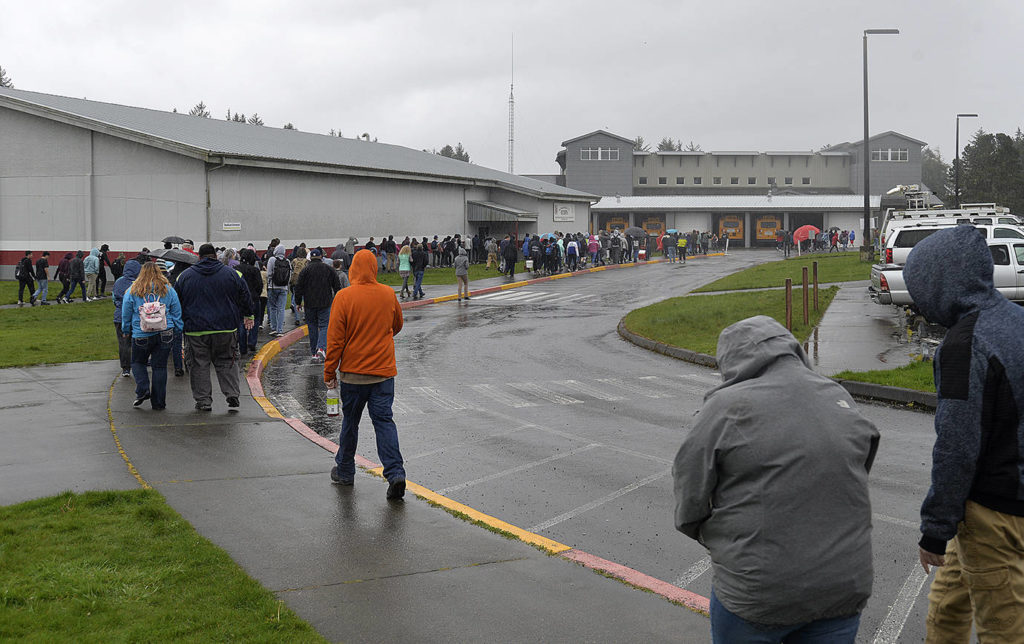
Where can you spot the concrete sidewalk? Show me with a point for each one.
(353, 565)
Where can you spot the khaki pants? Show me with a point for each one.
(492, 257)
(90, 284)
(983, 579)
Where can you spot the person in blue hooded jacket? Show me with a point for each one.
(124, 340)
(972, 519)
(92, 273)
(214, 299)
(153, 347)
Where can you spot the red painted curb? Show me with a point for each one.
(693, 601)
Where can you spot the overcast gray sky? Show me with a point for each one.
(729, 75)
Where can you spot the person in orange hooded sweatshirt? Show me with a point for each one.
(365, 317)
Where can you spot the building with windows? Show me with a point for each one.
(76, 173)
(696, 189)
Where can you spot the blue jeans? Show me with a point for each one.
(727, 627)
(155, 349)
(43, 290)
(316, 322)
(276, 298)
(377, 398)
(417, 287)
(74, 285)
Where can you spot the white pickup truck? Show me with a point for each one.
(888, 287)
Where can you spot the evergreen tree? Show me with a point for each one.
(640, 145)
(289, 126)
(255, 119)
(200, 110)
(668, 145)
(5, 80)
(991, 170)
(693, 147)
(935, 174)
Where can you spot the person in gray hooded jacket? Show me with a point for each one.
(972, 520)
(773, 481)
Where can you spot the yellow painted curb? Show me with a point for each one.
(505, 287)
(269, 408)
(528, 537)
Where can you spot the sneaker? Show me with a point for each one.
(322, 354)
(396, 489)
(337, 480)
(467, 298)
(179, 373)
(204, 406)
(232, 403)
(125, 373)
(21, 304)
(141, 399)
(44, 304)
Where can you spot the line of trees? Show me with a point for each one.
(667, 144)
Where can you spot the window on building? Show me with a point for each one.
(642, 180)
(662, 181)
(599, 154)
(679, 180)
(751, 181)
(806, 181)
(771, 181)
(789, 181)
(696, 181)
(734, 180)
(715, 180)
(890, 154)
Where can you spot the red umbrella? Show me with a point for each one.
(804, 232)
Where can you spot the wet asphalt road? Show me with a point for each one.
(528, 406)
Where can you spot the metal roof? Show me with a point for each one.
(242, 143)
(704, 203)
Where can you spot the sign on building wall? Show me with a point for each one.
(231, 225)
(565, 212)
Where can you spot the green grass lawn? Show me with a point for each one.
(845, 267)
(124, 566)
(695, 322)
(9, 292)
(916, 375)
(58, 333)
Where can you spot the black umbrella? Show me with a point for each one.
(174, 239)
(175, 255)
(635, 231)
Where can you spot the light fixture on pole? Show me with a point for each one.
(956, 161)
(866, 250)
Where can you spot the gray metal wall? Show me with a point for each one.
(64, 188)
(600, 177)
(887, 174)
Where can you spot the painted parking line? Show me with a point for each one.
(631, 388)
(575, 512)
(439, 399)
(891, 627)
(693, 572)
(517, 469)
(673, 387)
(502, 397)
(543, 392)
(589, 390)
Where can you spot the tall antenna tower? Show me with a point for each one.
(512, 112)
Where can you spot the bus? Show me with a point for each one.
(731, 226)
(767, 227)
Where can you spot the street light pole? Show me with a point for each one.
(866, 250)
(956, 161)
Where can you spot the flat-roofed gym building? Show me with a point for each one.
(76, 173)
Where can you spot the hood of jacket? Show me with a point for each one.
(462, 251)
(131, 269)
(364, 268)
(749, 346)
(68, 256)
(949, 275)
(208, 266)
(95, 252)
(279, 251)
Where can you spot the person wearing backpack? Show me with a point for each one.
(151, 312)
(299, 261)
(23, 273)
(279, 272)
(64, 275)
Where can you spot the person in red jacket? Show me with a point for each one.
(364, 319)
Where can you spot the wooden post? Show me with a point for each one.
(806, 318)
(815, 286)
(789, 303)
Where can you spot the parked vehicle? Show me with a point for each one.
(888, 286)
